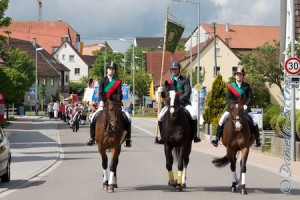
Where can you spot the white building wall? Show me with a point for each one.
(63, 55)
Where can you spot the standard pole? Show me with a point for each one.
(133, 90)
(198, 70)
(104, 73)
(36, 83)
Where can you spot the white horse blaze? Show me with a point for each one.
(238, 125)
(172, 101)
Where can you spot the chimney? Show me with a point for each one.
(34, 42)
(227, 27)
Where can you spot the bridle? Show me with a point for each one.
(108, 122)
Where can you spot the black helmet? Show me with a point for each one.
(175, 65)
(112, 65)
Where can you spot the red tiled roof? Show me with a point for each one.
(154, 62)
(244, 36)
(47, 33)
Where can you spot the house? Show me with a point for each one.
(51, 73)
(232, 41)
(88, 49)
(79, 65)
(49, 34)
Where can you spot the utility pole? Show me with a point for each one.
(40, 9)
(215, 48)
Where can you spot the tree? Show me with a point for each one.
(78, 87)
(142, 84)
(216, 101)
(4, 22)
(263, 64)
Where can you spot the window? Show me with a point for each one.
(57, 56)
(52, 82)
(218, 52)
(77, 71)
(216, 71)
(67, 79)
(234, 69)
(71, 58)
(63, 57)
(45, 81)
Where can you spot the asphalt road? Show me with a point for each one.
(141, 173)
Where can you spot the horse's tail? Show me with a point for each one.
(175, 153)
(221, 162)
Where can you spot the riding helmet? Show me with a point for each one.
(112, 65)
(240, 71)
(175, 65)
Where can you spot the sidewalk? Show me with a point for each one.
(34, 148)
(255, 158)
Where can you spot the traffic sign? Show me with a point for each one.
(197, 87)
(32, 91)
(292, 66)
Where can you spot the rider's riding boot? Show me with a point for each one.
(160, 141)
(215, 142)
(91, 141)
(194, 129)
(128, 135)
(256, 135)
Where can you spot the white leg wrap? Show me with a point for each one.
(243, 182)
(111, 178)
(105, 175)
(184, 176)
(233, 177)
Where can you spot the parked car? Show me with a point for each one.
(5, 157)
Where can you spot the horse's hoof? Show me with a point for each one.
(110, 189)
(244, 191)
(114, 185)
(172, 183)
(105, 185)
(178, 188)
(183, 185)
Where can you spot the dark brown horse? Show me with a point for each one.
(109, 134)
(177, 136)
(237, 137)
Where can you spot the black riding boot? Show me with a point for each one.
(91, 141)
(256, 135)
(194, 128)
(215, 142)
(128, 135)
(160, 141)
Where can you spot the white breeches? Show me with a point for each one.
(91, 116)
(226, 114)
(189, 108)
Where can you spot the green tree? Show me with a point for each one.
(78, 87)
(216, 101)
(4, 22)
(142, 84)
(263, 64)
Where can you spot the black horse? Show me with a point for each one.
(177, 136)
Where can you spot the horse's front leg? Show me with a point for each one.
(245, 153)
(104, 167)
(169, 164)
(232, 159)
(180, 168)
(112, 182)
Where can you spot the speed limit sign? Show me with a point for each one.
(292, 66)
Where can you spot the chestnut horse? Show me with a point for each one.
(109, 134)
(177, 136)
(236, 137)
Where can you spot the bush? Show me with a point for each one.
(273, 122)
(281, 122)
(271, 111)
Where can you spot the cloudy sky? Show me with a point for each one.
(97, 20)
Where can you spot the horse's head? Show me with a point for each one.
(237, 114)
(112, 112)
(172, 97)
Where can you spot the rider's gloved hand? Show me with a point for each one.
(245, 107)
(101, 104)
(160, 89)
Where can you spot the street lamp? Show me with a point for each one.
(36, 80)
(133, 74)
(104, 45)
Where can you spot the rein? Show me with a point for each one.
(108, 122)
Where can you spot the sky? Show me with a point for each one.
(110, 20)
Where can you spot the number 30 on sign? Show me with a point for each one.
(292, 66)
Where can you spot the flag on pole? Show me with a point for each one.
(152, 95)
(174, 32)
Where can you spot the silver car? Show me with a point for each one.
(5, 157)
